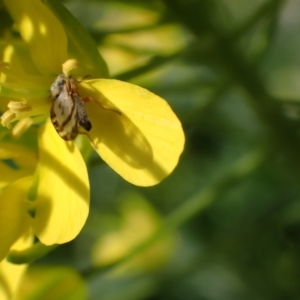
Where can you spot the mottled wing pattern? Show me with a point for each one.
(84, 121)
(68, 110)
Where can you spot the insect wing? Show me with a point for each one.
(64, 114)
(83, 119)
(57, 87)
(68, 111)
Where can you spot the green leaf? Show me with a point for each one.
(83, 46)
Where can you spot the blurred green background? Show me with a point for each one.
(226, 223)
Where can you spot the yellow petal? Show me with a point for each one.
(42, 32)
(8, 174)
(14, 219)
(10, 274)
(144, 143)
(62, 202)
(21, 72)
(80, 43)
(22, 156)
(16, 161)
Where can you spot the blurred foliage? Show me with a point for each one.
(229, 216)
(52, 283)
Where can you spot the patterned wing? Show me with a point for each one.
(84, 121)
(64, 114)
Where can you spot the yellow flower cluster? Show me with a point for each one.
(45, 190)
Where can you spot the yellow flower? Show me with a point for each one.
(142, 142)
(10, 274)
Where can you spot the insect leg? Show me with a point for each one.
(90, 139)
(87, 99)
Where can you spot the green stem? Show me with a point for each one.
(30, 254)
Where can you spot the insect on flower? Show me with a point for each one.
(68, 111)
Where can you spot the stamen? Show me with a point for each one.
(21, 127)
(69, 65)
(19, 106)
(15, 108)
(7, 118)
